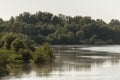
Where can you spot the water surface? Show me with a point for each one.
(74, 62)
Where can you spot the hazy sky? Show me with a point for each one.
(102, 9)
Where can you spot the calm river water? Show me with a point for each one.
(74, 63)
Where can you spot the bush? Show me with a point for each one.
(5, 57)
(43, 54)
(3, 71)
(25, 54)
(17, 44)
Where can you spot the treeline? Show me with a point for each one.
(45, 27)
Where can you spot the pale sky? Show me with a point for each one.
(102, 9)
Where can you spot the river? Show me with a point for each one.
(74, 62)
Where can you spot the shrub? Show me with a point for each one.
(3, 71)
(5, 57)
(43, 54)
(25, 54)
(17, 44)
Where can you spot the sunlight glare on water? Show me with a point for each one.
(110, 49)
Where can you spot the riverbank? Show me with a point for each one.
(42, 54)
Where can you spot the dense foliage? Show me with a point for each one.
(43, 53)
(46, 27)
(18, 48)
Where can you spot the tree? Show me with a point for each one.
(8, 39)
(70, 36)
(93, 38)
(17, 44)
(79, 35)
(114, 22)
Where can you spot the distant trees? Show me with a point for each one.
(46, 27)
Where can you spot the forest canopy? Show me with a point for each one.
(45, 27)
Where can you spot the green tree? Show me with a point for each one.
(93, 38)
(17, 44)
(79, 35)
(70, 36)
(8, 39)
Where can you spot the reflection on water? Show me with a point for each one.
(110, 49)
(71, 63)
